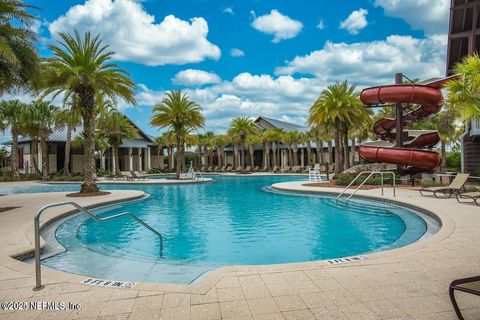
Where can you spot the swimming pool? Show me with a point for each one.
(233, 221)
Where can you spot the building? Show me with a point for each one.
(463, 40)
(139, 153)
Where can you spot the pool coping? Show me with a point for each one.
(206, 281)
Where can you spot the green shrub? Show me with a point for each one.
(453, 160)
(345, 179)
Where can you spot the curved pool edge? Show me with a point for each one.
(205, 282)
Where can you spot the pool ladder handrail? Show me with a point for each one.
(371, 173)
(36, 223)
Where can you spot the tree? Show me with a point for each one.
(220, 142)
(69, 118)
(239, 128)
(44, 114)
(19, 62)
(209, 140)
(464, 91)
(82, 67)
(291, 139)
(266, 149)
(338, 108)
(10, 117)
(274, 136)
(114, 127)
(160, 142)
(178, 113)
(251, 141)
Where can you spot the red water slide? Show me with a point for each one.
(409, 156)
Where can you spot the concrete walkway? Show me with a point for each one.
(405, 283)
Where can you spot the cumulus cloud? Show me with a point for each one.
(235, 52)
(135, 36)
(280, 26)
(193, 77)
(427, 15)
(371, 63)
(228, 10)
(283, 97)
(356, 21)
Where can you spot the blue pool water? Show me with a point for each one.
(231, 221)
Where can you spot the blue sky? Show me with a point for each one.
(255, 57)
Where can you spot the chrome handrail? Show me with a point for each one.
(36, 223)
(371, 173)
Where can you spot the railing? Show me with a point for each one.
(371, 173)
(36, 222)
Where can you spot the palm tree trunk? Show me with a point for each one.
(33, 155)
(252, 150)
(66, 162)
(309, 152)
(354, 151)
(319, 151)
(88, 115)
(274, 154)
(338, 152)
(179, 158)
(346, 152)
(113, 168)
(117, 160)
(44, 147)
(16, 174)
(330, 151)
(267, 156)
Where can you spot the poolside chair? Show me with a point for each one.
(453, 188)
(138, 177)
(468, 285)
(274, 169)
(209, 169)
(265, 168)
(239, 169)
(222, 169)
(247, 169)
(229, 169)
(285, 169)
(307, 169)
(256, 168)
(125, 175)
(202, 168)
(474, 196)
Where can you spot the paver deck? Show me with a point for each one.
(405, 283)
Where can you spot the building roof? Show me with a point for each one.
(281, 124)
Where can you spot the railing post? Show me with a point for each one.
(38, 271)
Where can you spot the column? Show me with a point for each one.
(140, 167)
(302, 155)
(130, 159)
(149, 159)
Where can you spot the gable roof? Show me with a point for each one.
(280, 124)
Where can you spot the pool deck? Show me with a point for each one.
(405, 283)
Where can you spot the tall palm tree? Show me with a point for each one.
(31, 128)
(19, 62)
(82, 67)
(292, 139)
(44, 114)
(209, 138)
(220, 142)
(274, 136)
(338, 108)
(69, 118)
(266, 149)
(251, 141)
(200, 142)
(160, 142)
(178, 113)
(169, 139)
(11, 113)
(307, 137)
(114, 127)
(240, 127)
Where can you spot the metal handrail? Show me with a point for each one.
(36, 222)
(371, 173)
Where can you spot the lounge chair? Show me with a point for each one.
(247, 169)
(256, 168)
(239, 169)
(474, 196)
(285, 169)
(274, 169)
(136, 176)
(222, 168)
(265, 168)
(229, 169)
(202, 169)
(453, 188)
(468, 285)
(307, 169)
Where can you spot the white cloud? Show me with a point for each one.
(133, 34)
(235, 52)
(228, 10)
(321, 25)
(193, 77)
(430, 16)
(283, 97)
(355, 22)
(277, 24)
(370, 63)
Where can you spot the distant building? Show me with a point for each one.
(463, 40)
(139, 153)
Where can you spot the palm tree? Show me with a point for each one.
(19, 62)
(338, 108)
(239, 128)
(307, 137)
(160, 141)
(220, 142)
(251, 141)
(266, 149)
(82, 67)
(31, 128)
(169, 141)
(464, 91)
(44, 114)
(114, 127)
(69, 118)
(291, 139)
(178, 113)
(11, 113)
(209, 140)
(274, 136)
(200, 142)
